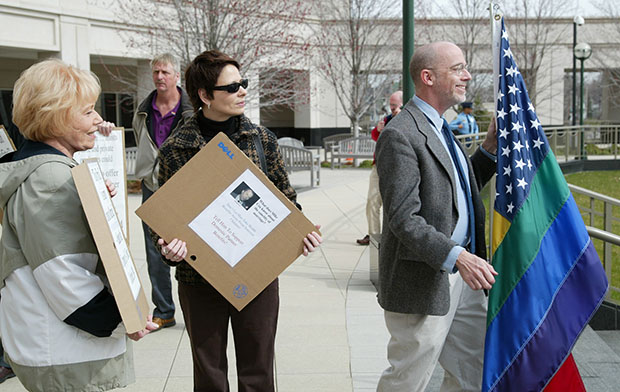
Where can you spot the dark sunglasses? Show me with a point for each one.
(233, 87)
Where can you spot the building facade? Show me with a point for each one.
(89, 35)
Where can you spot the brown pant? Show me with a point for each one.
(206, 315)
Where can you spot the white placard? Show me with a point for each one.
(110, 151)
(239, 218)
(115, 228)
(6, 145)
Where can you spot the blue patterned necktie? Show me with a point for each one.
(457, 163)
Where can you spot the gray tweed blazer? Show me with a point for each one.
(418, 189)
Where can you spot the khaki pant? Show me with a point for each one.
(455, 340)
(373, 203)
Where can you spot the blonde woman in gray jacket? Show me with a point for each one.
(60, 326)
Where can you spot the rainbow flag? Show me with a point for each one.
(551, 280)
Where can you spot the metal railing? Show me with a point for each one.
(604, 234)
(565, 141)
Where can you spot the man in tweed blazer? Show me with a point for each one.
(430, 283)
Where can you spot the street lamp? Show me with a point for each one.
(582, 52)
(577, 21)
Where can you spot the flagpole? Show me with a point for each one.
(495, 15)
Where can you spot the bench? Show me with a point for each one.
(290, 141)
(296, 158)
(131, 154)
(329, 141)
(362, 147)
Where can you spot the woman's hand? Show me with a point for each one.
(150, 326)
(312, 241)
(175, 251)
(105, 128)
(111, 188)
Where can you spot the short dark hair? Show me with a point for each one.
(203, 72)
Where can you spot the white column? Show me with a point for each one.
(144, 79)
(252, 102)
(74, 44)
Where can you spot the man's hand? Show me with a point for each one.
(476, 272)
(381, 125)
(490, 141)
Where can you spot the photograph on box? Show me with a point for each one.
(239, 218)
(115, 228)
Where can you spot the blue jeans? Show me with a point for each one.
(159, 272)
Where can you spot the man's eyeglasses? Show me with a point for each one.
(233, 87)
(459, 69)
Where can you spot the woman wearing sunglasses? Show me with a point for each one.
(218, 94)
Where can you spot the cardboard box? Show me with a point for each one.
(112, 245)
(239, 240)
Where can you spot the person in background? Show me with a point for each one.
(165, 108)
(218, 94)
(373, 200)
(60, 325)
(465, 123)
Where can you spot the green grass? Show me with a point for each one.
(606, 183)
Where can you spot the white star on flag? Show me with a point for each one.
(512, 71)
(509, 188)
(535, 123)
(530, 107)
(501, 113)
(503, 133)
(517, 145)
(506, 151)
(513, 89)
(510, 207)
(514, 108)
(521, 183)
(517, 126)
(507, 52)
(500, 95)
(507, 170)
(520, 164)
(538, 142)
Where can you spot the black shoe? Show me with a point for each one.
(364, 241)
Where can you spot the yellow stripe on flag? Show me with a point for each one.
(500, 228)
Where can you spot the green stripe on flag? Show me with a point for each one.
(548, 193)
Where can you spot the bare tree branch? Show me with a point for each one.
(265, 37)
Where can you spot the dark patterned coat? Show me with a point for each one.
(187, 140)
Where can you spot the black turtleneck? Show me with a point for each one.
(210, 128)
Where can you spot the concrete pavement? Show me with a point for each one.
(331, 334)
